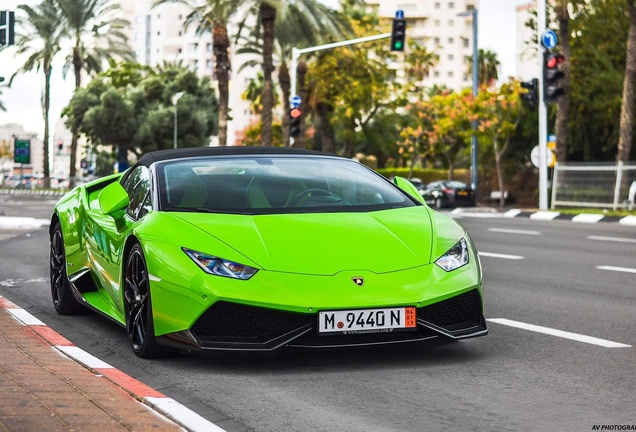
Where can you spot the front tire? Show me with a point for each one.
(61, 292)
(139, 319)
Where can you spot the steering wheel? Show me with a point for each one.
(322, 192)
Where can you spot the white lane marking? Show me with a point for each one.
(617, 269)
(83, 357)
(503, 256)
(512, 231)
(183, 415)
(544, 215)
(25, 317)
(587, 218)
(614, 239)
(559, 333)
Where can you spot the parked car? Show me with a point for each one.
(448, 193)
(259, 249)
(26, 181)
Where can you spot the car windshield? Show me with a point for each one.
(274, 184)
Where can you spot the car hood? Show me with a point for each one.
(323, 243)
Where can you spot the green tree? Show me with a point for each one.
(95, 33)
(310, 14)
(487, 67)
(499, 113)
(293, 28)
(136, 115)
(629, 89)
(41, 33)
(597, 66)
(213, 16)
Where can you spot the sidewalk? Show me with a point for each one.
(44, 390)
(490, 212)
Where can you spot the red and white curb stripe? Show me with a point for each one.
(164, 405)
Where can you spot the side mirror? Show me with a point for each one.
(409, 188)
(113, 200)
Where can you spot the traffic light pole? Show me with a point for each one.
(543, 112)
(296, 52)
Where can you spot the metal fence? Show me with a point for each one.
(602, 185)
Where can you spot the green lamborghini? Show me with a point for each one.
(262, 249)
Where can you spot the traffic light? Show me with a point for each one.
(532, 95)
(398, 34)
(551, 76)
(7, 28)
(60, 145)
(294, 121)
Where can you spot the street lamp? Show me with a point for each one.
(175, 99)
(473, 125)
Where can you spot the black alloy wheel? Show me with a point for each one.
(63, 300)
(139, 320)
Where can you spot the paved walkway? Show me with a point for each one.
(45, 391)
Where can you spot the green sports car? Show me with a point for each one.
(262, 249)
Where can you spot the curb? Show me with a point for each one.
(544, 215)
(150, 397)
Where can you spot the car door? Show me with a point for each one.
(109, 236)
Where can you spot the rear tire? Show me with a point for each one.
(139, 318)
(61, 292)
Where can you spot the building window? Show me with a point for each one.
(451, 5)
(158, 33)
(451, 40)
(450, 74)
(180, 17)
(466, 43)
(437, 5)
(465, 77)
(180, 50)
(451, 57)
(436, 74)
(436, 40)
(451, 23)
(209, 47)
(208, 63)
(437, 23)
(470, 7)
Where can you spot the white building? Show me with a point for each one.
(435, 25)
(8, 134)
(526, 56)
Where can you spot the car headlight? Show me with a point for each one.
(456, 257)
(219, 266)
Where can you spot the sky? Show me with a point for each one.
(497, 29)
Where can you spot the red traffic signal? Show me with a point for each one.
(294, 121)
(552, 76)
(60, 144)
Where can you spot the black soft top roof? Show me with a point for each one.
(162, 155)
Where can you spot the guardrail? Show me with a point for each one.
(599, 185)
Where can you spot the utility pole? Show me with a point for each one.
(543, 111)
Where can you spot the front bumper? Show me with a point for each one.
(227, 326)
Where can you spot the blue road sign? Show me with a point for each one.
(399, 14)
(549, 38)
(295, 101)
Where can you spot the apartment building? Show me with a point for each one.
(436, 25)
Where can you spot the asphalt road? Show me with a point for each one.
(559, 275)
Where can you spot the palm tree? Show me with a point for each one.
(213, 16)
(487, 67)
(296, 27)
(629, 89)
(309, 16)
(45, 31)
(95, 32)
